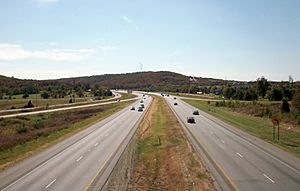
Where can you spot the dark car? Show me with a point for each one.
(141, 101)
(196, 112)
(140, 109)
(174, 97)
(142, 105)
(175, 103)
(191, 120)
(132, 108)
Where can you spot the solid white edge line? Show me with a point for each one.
(269, 178)
(79, 158)
(50, 183)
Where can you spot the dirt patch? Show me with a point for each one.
(164, 158)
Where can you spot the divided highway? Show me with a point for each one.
(243, 165)
(79, 162)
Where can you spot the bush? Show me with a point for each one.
(29, 104)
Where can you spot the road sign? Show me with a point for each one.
(276, 120)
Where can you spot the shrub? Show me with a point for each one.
(22, 129)
(29, 104)
(39, 124)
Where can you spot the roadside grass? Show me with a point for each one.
(257, 126)
(127, 96)
(20, 102)
(56, 127)
(164, 158)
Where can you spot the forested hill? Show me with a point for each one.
(141, 80)
(162, 80)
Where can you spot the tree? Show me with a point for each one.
(296, 101)
(45, 95)
(285, 105)
(228, 92)
(275, 95)
(25, 95)
(262, 86)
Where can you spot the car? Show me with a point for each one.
(142, 105)
(191, 120)
(196, 112)
(140, 109)
(175, 103)
(174, 97)
(141, 101)
(132, 108)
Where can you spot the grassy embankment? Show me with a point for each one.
(258, 126)
(20, 137)
(165, 160)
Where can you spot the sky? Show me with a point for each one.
(224, 39)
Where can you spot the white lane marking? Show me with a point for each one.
(239, 155)
(222, 141)
(269, 178)
(79, 158)
(96, 144)
(50, 183)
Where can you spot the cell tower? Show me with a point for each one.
(141, 66)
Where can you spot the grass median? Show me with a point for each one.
(23, 136)
(257, 126)
(164, 158)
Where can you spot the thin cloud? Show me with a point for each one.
(130, 22)
(107, 48)
(12, 52)
(47, 1)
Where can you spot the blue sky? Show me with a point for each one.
(232, 39)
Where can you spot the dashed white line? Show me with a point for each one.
(239, 155)
(79, 158)
(96, 144)
(222, 141)
(269, 178)
(50, 183)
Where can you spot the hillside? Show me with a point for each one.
(162, 80)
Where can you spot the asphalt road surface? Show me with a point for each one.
(245, 165)
(79, 162)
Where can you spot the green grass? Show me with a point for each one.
(259, 127)
(24, 150)
(151, 146)
(19, 102)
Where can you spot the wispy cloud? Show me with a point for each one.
(47, 1)
(108, 48)
(126, 19)
(130, 22)
(12, 52)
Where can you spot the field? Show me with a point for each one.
(256, 121)
(22, 136)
